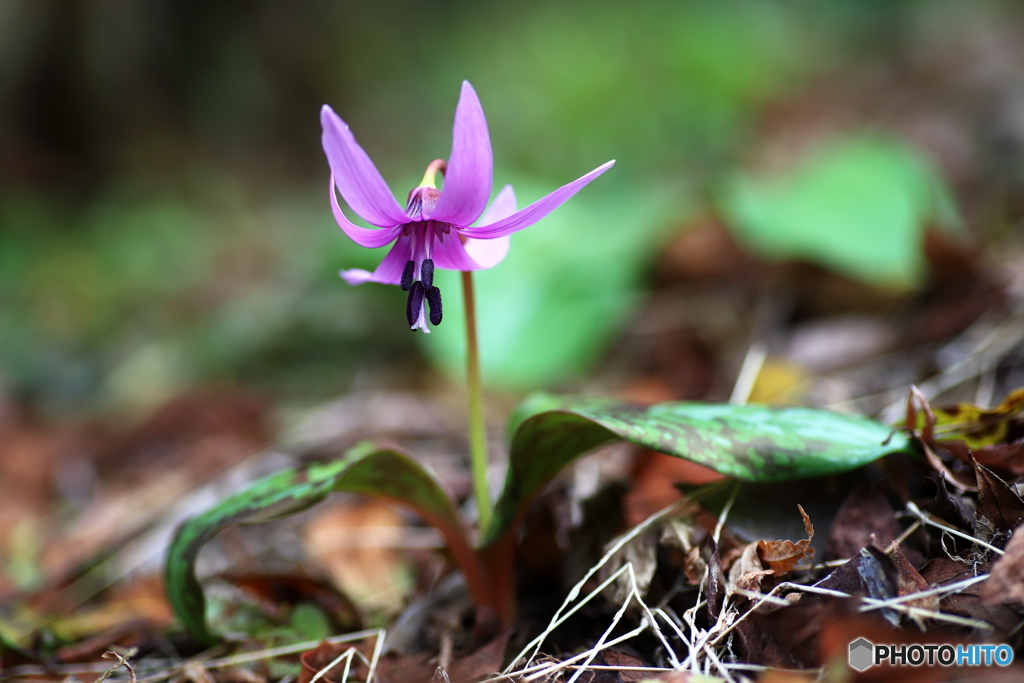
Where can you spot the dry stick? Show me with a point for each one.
(611, 627)
(649, 620)
(926, 519)
(549, 668)
(984, 356)
(122, 660)
(747, 378)
(954, 374)
(284, 650)
(574, 592)
(346, 655)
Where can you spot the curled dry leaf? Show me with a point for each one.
(1000, 507)
(694, 566)
(769, 558)
(747, 571)
(782, 556)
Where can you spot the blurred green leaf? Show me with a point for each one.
(547, 310)
(365, 469)
(749, 443)
(857, 206)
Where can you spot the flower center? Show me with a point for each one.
(418, 280)
(418, 274)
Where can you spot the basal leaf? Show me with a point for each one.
(749, 443)
(365, 469)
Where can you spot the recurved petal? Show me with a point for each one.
(503, 206)
(361, 236)
(467, 182)
(534, 212)
(389, 272)
(357, 178)
(490, 252)
(451, 255)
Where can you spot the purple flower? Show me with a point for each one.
(434, 229)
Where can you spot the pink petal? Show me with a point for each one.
(451, 255)
(490, 252)
(534, 212)
(370, 239)
(503, 206)
(358, 179)
(389, 272)
(467, 183)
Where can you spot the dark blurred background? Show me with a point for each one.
(163, 196)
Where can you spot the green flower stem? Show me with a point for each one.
(477, 431)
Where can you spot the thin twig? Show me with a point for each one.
(925, 518)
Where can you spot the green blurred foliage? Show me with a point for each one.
(546, 312)
(858, 206)
(163, 211)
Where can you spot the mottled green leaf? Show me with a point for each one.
(749, 443)
(364, 469)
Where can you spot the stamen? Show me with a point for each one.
(406, 283)
(434, 299)
(415, 303)
(427, 273)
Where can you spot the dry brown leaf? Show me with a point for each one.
(865, 517)
(360, 545)
(782, 556)
(1006, 582)
(747, 571)
(968, 602)
(1000, 507)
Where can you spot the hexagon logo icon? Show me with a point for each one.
(862, 654)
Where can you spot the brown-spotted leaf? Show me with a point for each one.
(747, 442)
(365, 469)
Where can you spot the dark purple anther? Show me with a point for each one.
(434, 300)
(415, 305)
(427, 274)
(406, 282)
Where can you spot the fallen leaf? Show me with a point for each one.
(1000, 508)
(360, 544)
(968, 602)
(1006, 582)
(746, 571)
(870, 572)
(782, 556)
(955, 509)
(716, 585)
(617, 658)
(866, 517)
